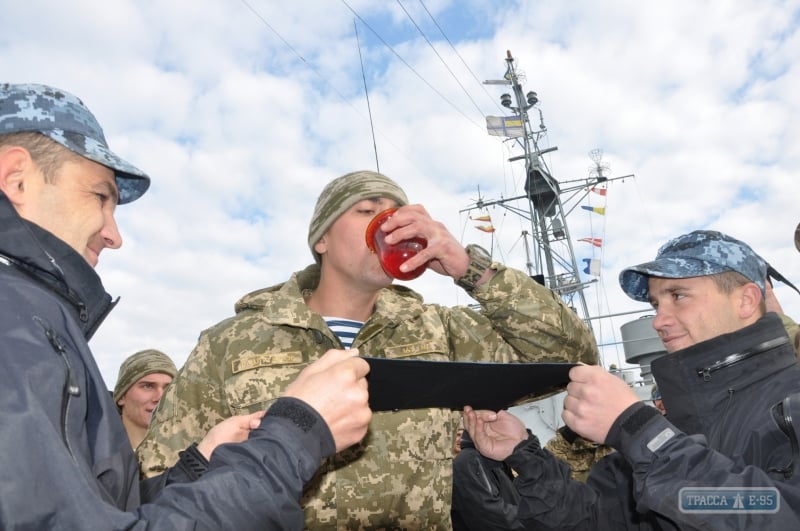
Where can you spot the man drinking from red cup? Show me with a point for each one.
(400, 475)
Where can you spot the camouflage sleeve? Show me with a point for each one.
(557, 446)
(580, 455)
(191, 406)
(521, 320)
(793, 329)
(579, 460)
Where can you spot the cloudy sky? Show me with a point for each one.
(242, 110)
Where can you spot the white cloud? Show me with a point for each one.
(698, 100)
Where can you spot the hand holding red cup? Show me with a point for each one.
(391, 256)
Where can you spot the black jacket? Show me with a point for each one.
(65, 459)
(484, 497)
(724, 429)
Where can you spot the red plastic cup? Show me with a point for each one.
(391, 256)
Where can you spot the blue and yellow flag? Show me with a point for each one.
(596, 210)
(510, 126)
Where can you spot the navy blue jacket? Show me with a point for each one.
(724, 429)
(65, 459)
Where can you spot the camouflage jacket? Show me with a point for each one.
(793, 330)
(399, 477)
(580, 454)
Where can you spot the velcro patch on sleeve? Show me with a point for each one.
(413, 349)
(659, 440)
(252, 361)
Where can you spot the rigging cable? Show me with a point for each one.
(459, 111)
(267, 24)
(483, 87)
(439, 56)
(366, 94)
(325, 81)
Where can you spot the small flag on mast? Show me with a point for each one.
(592, 266)
(596, 210)
(510, 126)
(597, 242)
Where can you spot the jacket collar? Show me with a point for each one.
(52, 263)
(283, 304)
(696, 381)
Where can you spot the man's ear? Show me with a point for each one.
(322, 245)
(15, 165)
(751, 298)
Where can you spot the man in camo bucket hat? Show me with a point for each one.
(730, 385)
(403, 468)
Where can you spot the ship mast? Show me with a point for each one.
(550, 255)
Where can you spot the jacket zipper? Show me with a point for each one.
(71, 387)
(705, 372)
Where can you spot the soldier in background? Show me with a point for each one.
(399, 476)
(142, 379)
(579, 453)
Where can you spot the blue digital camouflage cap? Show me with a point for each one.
(697, 254)
(65, 119)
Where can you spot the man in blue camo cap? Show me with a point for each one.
(730, 384)
(699, 253)
(65, 450)
(63, 118)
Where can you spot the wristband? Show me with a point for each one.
(479, 262)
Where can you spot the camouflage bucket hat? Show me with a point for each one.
(64, 119)
(344, 192)
(139, 365)
(699, 253)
